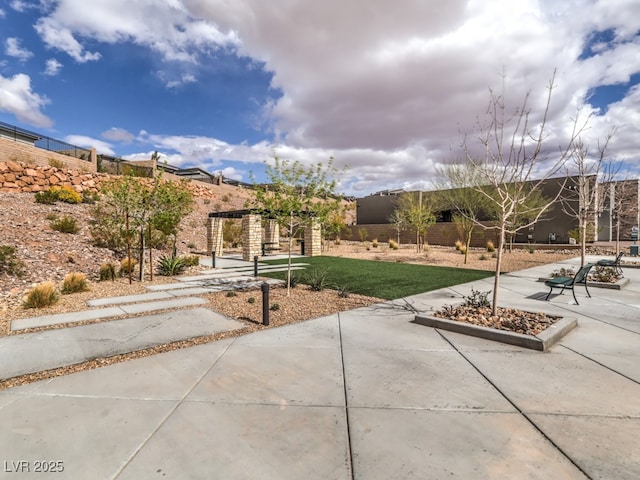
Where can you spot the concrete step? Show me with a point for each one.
(34, 352)
(102, 313)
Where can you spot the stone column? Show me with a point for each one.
(251, 237)
(214, 235)
(272, 232)
(313, 239)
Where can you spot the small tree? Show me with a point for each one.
(417, 214)
(131, 207)
(296, 196)
(583, 198)
(462, 197)
(510, 152)
(398, 221)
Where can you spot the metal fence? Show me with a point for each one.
(17, 134)
(118, 166)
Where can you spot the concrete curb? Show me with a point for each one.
(541, 342)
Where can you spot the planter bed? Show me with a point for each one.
(541, 342)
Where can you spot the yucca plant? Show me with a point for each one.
(170, 265)
(42, 295)
(317, 279)
(75, 282)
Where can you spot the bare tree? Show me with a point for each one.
(398, 221)
(457, 192)
(583, 197)
(511, 152)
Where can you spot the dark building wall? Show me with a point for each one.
(553, 228)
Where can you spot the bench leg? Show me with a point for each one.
(573, 290)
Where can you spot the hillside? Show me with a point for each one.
(50, 255)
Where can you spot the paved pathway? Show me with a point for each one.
(364, 394)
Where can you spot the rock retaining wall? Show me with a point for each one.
(18, 177)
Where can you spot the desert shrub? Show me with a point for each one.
(54, 162)
(563, 272)
(75, 282)
(191, 260)
(374, 243)
(477, 299)
(107, 272)
(251, 300)
(295, 279)
(462, 249)
(458, 245)
(191, 245)
(490, 247)
(46, 197)
(363, 234)
(90, 198)
(274, 307)
(226, 198)
(604, 275)
(9, 262)
(532, 249)
(127, 265)
(42, 295)
(65, 224)
(344, 292)
(58, 193)
(482, 257)
(231, 293)
(393, 245)
(67, 194)
(170, 265)
(317, 279)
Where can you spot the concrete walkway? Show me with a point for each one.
(364, 394)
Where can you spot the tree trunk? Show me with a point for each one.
(142, 247)
(496, 279)
(583, 242)
(150, 256)
(467, 245)
(126, 222)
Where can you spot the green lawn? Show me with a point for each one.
(384, 279)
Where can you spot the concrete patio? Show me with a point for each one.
(364, 394)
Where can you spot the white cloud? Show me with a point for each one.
(17, 98)
(2, 13)
(369, 84)
(101, 146)
(165, 27)
(174, 80)
(60, 38)
(21, 6)
(52, 67)
(388, 90)
(13, 49)
(118, 135)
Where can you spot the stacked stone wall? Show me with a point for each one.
(18, 177)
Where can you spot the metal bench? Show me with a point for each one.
(612, 263)
(270, 247)
(569, 283)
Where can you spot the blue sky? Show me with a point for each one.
(225, 86)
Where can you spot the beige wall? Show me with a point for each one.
(28, 154)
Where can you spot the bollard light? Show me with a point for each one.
(265, 303)
(213, 259)
(255, 266)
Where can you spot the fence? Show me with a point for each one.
(11, 132)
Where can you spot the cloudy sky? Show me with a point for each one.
(387, 88)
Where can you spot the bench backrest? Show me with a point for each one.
(581, 276)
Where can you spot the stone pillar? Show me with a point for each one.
(272, 232)
(251, 237)
(214, 235)
(313, 239)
